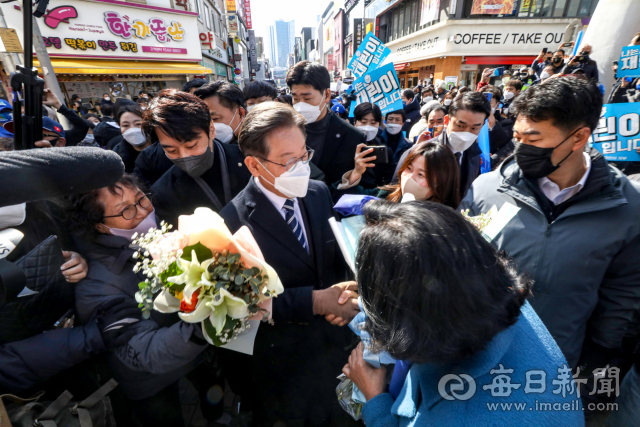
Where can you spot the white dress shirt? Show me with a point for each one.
(557, 196)
(278, 202)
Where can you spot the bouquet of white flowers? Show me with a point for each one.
(206, 275)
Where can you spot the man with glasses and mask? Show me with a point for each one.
(333, 139)
(205, 171)
(576, 232)
(288, 216)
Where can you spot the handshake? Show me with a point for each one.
(338, 304)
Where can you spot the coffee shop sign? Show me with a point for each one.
(512, 38)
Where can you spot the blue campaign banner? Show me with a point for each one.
(483, 143)
(380, 87)
(370, 55)
(628, 63)
(618, 133)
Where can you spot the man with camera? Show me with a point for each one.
(582, 62)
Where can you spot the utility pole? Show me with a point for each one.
(47, 69)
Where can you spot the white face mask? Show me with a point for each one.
(370, 131)
(493, 110)
(308, 111)
(142, 228)
(292, 183)
(408, 185)
(224, 132)
(13, 215)
(249, 107)
(107, 98)
(460, 141)
(393, 128)
(134, 136)
(428, 98)
(447, 102)
(509, 95)
(544, 75)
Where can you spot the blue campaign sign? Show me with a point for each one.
(618, 133)
(380, 87)
(370, 55)
(628, 64)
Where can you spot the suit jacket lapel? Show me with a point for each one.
(265, 215)
(314, 227)
(331, 144)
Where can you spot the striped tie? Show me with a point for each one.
(290, 217)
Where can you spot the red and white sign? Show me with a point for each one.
(162, 49)
(207, 38)
(247, 14)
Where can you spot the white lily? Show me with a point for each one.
(193, 273)
(223, 304)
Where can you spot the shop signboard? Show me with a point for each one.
(232, 23)
(496, 7)
(247, 14)
(618, 133)
(76, 28)
(476, 38)
(231, 6)
(451, 81)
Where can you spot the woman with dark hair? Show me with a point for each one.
(163, 349)
(452, 311)
(129, 118)
(430, 172)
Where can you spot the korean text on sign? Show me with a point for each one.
(628, 64)
(370, 55)
(379, 87)
(618, 133)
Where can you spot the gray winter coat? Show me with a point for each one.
(584, 264)
(157, 356)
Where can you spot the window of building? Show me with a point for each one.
(207, 16)
(199, 7)
(214, 20)
(541, 9)
(401, 22)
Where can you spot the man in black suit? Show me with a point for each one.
(205, 172)
(466, 117)
(296, 360)
(333, 139)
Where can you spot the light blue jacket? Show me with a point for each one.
(523, 347)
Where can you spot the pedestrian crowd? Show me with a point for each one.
(551, 291)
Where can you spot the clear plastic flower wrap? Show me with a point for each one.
(344, 391)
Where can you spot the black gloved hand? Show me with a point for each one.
(115, 319)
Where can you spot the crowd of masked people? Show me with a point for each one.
(557, 286)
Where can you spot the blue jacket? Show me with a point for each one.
(523, 347)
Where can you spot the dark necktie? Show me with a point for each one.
(290, 217)
(458, 155)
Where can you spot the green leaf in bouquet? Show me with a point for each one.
(220, 284)
(202, 252)
(247, 298)
(239, 280)
(255, 281)
(255, 288)
(222, 259)
(255, 271)
(142, 285)
(172, 270)
(211, 332)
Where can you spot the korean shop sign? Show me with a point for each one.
(95, 29)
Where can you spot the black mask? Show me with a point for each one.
(195, 165)
(535, 162)
(557, 60)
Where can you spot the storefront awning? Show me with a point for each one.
(401, 66)
(95, 66)
(499, 60)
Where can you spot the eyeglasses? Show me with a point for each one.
(131, 211)
(305, 159)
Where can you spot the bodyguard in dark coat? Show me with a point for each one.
(206, 173)
(411, 109)
(296, 360)
(332, 138)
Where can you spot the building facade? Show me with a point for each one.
(457, 40)
(282, 41)
(213, 36)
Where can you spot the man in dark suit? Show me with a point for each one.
(332, 138)
(467, 114)
(205, 172)
(296, 360)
